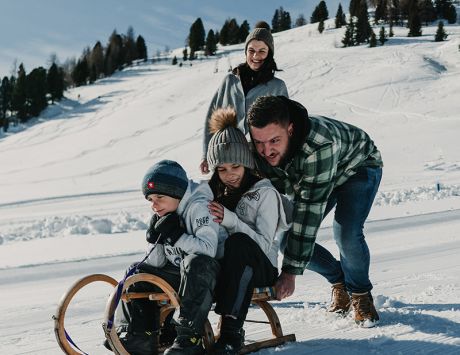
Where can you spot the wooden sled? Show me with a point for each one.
(168, 300)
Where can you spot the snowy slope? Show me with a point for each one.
(70, 201)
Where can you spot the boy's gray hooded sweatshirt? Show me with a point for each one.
(202, 233)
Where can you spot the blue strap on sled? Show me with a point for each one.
(73, 344)
(120, 285)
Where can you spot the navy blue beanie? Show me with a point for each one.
(166, 177)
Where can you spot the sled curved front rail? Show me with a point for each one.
(63, 339)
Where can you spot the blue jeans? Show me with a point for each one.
(353, 201)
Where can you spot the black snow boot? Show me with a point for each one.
(145, 343)
(187, 342)
(231, 338)
(167, 335)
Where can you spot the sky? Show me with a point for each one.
(37, 29)
(71, 205)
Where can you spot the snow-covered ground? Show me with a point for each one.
(70, 202)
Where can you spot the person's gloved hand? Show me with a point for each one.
(152, 235)
(170, 228)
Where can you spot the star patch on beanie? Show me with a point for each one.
(166, 177)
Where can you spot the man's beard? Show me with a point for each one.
(286, 157)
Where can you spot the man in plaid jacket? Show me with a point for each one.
(321, 163)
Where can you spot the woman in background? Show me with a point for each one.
(249, 80)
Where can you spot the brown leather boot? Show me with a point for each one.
(365, 313)
(340, 299)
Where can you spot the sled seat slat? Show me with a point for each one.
(264, 294)
(160, 297)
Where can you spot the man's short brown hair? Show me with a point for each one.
(268, 109)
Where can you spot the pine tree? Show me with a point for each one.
(314, 18)
(223, 34)
(300, 21)
(391, 33)
(211, 43)
(414, 23)
(36, 91)
(340, 19)
(185, 54)
(276, 21)
(61, 87)
(174, 60)
(5, 96)
(243, 31)
(129, 45)
(405, 6)
(451, 14)
(427, 11)
(114, 54)
(196, 38)
(363, 28)
(18, 99)
(441, 35)
(320, 13)
(354, 8)
(443, 8)
(5, 102)
(97, 60)
(233, 32)
(54, 86)
(372, 40)
(141, 48)
(382, 36)
(80, 73)
(281, 20)
(286, 21)
(67, 69)
(350, 32)
(381, 11)
(395, 13)
(321, 26)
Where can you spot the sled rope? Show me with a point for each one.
(120, 285)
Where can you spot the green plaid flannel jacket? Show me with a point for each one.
(329, 156)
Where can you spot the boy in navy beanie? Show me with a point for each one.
(184, 238)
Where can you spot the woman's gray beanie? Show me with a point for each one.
(261, 34)
(229, 145)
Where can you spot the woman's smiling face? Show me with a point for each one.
(256, 53)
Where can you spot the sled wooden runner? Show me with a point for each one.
(260, 297)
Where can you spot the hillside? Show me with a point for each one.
(70, 201)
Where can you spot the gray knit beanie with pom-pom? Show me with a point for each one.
(228, 144)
